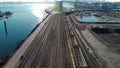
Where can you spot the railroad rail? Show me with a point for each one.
(50, 47)
(90, 61)
(56, 45)
(47, 49)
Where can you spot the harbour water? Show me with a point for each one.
(16, 27)
(87, 19)
(93, 19)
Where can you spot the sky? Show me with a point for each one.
(42, 0)
(25, 0)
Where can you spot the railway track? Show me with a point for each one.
(90, 60)
(34, 47)
(50, 47)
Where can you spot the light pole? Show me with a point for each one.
(76, 4)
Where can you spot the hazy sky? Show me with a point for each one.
(44, 0)
(25, 0)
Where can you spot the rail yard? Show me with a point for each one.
(56, 45)
(62, 42)
(103, 45)
(59, 42)
(70, 34)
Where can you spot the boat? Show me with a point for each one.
(8, 13)
(1, 15)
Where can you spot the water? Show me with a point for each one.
(24, 18)
(68, 5)
(111, 20)
(87, 19)
(93, 19)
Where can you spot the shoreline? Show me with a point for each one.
(6, 58)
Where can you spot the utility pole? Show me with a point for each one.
(60, 6)
(76, 4)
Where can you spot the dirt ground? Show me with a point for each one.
(111, 38)
(108, 56)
